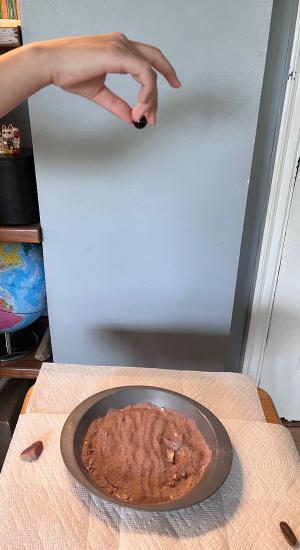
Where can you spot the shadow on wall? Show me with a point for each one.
(166, 349)
(208, 109)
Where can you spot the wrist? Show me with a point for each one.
(38, 59)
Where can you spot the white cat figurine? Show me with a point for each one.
(10, 140)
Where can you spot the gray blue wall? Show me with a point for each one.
(142, 229)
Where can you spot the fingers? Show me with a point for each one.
(118, 107)
(151, 57)
(139, 60)
(157, 59)
(151, 115)
(113, 103)
(149, 111)
(147, 77)
(147, 96)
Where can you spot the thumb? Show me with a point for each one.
(113, 103)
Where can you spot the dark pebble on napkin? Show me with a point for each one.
(288, 534)
(33, 452)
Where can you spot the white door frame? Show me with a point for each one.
(281, 193)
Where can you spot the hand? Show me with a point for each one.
(80, 65)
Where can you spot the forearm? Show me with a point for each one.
(23, 72)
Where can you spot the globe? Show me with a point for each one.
(22, 285)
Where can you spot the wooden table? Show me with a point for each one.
(266, 401)
(268, 407)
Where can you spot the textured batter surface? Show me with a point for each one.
(145, 454)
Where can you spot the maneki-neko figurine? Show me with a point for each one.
(9, 140)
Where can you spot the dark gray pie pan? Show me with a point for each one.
(97, 405)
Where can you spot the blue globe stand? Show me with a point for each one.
(22, 297)
(14, 345)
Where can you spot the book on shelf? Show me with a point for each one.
(9, 9)
(10, 32)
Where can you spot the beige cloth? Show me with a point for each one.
(60, 388)
(42, 507)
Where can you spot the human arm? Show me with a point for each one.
(80, 65)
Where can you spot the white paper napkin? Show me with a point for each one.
(61, 387)
(42, 507)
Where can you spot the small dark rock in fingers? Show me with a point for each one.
(141, 123)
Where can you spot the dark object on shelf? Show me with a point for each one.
(17, 344)
(44, 350)
(140, 123)
(10, 34)
(27, 367)
(18, 194)
(11, 399)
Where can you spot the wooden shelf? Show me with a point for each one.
(26, 367)
(10, 23)
(21, 233)
(10, 34)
